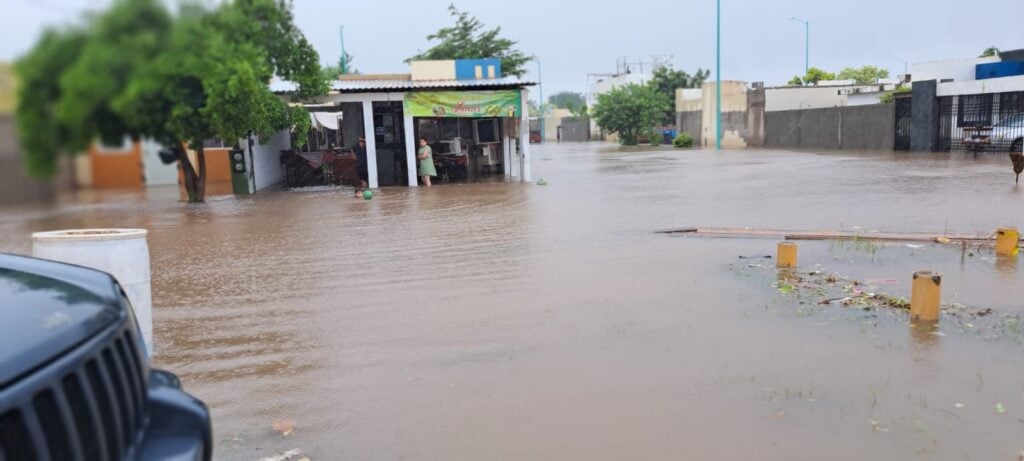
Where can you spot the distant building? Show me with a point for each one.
(827, 93)
(475, 119)
(974, 104)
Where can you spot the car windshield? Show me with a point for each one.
(1014, 121)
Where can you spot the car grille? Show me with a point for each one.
(95, 411)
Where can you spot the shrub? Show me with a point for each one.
(630, 111)
(683, 140)
(654, 138)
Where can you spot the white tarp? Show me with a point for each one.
(328, 120)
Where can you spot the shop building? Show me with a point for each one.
(475, 120)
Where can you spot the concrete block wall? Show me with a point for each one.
(575, 131)
(690, 122)
(868, 127)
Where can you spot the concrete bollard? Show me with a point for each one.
(786, 255)
(925, 296)
(122, 253)
(1007, 239)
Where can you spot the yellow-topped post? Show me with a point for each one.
(925, 296)
(1007, 239)
(786, 255)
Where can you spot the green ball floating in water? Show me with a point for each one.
(367, 195)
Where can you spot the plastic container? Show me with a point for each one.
(122, 253)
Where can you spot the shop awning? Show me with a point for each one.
(354, 85)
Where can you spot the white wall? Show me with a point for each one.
(154, 170)
(960, 70)
(266, 159)
(863, 99)
(604, 84)
(990, 85)
(802, 97)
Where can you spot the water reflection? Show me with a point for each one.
(509, 320)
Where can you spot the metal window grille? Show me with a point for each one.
(903, 123)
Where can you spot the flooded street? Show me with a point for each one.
(517, 321)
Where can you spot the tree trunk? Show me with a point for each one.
(201, 180)
(195, 195)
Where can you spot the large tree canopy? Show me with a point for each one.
(38, 72)
(665, 81)
(629, 110)
(135, 70)
(467, 40)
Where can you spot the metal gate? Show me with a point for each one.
(903, 108)
(981, 122)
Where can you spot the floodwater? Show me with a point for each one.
(517, 321)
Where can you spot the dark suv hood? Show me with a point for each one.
(47, 308)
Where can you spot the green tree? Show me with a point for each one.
(666, 80)
(795, 81)
(629, 110)
(865, 75)
(331, 72)
(142, 73)
(39, 71)
(990, 51)
(467, 40)
(567, 99)
(815, 75)
(574, 102)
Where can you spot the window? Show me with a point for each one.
(214, 143)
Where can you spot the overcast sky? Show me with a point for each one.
(571, 39)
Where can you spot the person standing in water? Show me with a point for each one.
(361, 165)
(426, 158)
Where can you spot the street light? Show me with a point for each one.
(718, 75)
(906, 66)
(807, 42)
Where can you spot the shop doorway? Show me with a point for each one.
(465, 149)
(389, 136)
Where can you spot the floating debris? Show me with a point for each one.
(284, 426)
(293, 454)
(877, 427)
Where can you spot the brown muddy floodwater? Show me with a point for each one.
(515, 321)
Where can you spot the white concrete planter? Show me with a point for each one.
(122, 253)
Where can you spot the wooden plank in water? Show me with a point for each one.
(744, 232)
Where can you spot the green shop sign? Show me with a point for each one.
(504, 103)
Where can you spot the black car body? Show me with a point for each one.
(75, 381)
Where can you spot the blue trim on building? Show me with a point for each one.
(466, 69)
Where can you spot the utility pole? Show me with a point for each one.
(540, 87)
(343, 61)
(718, 75)
(807, 42)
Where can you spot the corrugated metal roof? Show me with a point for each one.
(375, 85)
